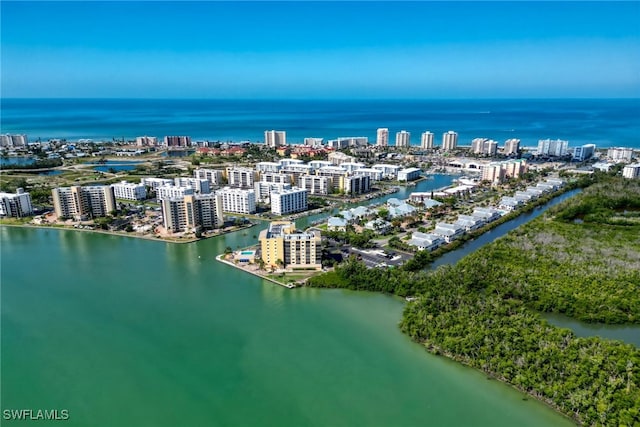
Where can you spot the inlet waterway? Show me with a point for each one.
(123, 331)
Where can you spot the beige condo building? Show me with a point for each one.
(282, 243)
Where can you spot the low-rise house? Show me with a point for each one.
(449, 232)
(509, 203)
(379, 225)
(487, 214)
(426, 241)
(469, 222)
(335, 223)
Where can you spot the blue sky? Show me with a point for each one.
(320, 49)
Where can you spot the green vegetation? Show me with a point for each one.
(38, 164)
(478, 312)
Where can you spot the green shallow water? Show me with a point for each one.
(127, 332)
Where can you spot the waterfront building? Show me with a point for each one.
(486, 214)
(83, 202)
(263, 167)
(199, 185)
(8, 140)
(449, 232)
(142, 141)
(240, 177)
(511, 146)
(403, 139)
(16, 204)
(289, 201)
(374, 174)
(154, 183)
(290, 162)
(173, 191)
(552, 147)
(620, 154)
(315, 184)
(238, 200)
(382, 137)
(631, 171)
(426, 241)
(335, 173)
(275, 138)
(509, 203)
(484, 146)
(388, 171)
(409, 174)
(355, 184)
(192, 213)
(177, 141)
(449, 141)
(493, 172)
(129, 191)
(282, 246)
(214, 176)
(426, 140)
(584, 152)
(264, 189)
(378, 225)
(337, 158)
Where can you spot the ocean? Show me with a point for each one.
(604, 122)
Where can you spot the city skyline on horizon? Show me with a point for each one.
(320, 50)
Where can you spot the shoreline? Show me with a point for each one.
(220, 258)
(124, 233)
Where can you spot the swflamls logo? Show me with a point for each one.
(35, 414)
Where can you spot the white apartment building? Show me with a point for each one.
(241, 177)
(584, 152)
(315, 184)
(352, 166)
(313, 142)
(374, 174)
(355, 184)
(337, 158)
(349, 141)
(199, 185)
(264, 167)
(264, 189)
(620, 154)
(631, 171)
(552, 147)
(276, 178)
(426, 140)
(129, 191)
(290, 162)
(511, 146)
(78, 202)
(142, 141)
(289, 201)
(484, 146)
(177, 141)
(403, 139)
(382, 137)
(172, 192)
(7, 140)
(317, 164)
(388, 171)
(409, 174)
(238, 200)
(214, 176)
(154, 183)
(275, 138)
(16, 204)
(449, 140)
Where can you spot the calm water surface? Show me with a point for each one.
(125, 332)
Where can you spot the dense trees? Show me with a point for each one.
(479, 311)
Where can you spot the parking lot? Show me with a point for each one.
(379, 257)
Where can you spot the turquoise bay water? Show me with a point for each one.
(122, 331)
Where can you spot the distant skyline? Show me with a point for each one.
(320, 50)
